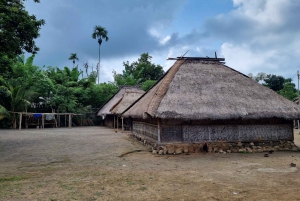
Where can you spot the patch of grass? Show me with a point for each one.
(102, 188)
(52, 199)
(99, 173)
(98, 194)
(130, 182)
(142, 189)
(91, 199)
(12, 178)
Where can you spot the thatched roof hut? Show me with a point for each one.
(195, 89)
(196, 94)
(106, 107)
(124, 97)
(129, 97)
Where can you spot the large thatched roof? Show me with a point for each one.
(197, 89)
(128, 98)
(105, 109)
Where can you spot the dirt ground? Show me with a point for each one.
(85, 164)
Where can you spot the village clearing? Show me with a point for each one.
(96, 163)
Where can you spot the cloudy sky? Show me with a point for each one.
(253, 36)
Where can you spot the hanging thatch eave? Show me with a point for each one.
(116, 98)
(197, 90)
(127, 99)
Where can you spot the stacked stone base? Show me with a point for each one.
(219, 147)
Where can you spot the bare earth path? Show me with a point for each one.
(84, 164)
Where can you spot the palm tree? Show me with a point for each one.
(16, 99)
(100, 33)
(73, 57)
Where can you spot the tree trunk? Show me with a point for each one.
(14, 121)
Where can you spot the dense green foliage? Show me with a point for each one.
(142, 72)
(277, 83)
(143, 69)
(30, 87)
(18, 30)
(24, 86)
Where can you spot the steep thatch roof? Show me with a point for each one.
(296, 101)
(105, 109)
(196, 89)
(128, 98)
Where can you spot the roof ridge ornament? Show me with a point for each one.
(199, 58)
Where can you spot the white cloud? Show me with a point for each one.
(260, 36)
(246, 61)
(165, 40)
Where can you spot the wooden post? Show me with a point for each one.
(117, 123)
(43, 121)
(65, 120)
(70, 120)
(158, 130)
(58, 118)
(114, 122)
(20, 122)
(122, 124)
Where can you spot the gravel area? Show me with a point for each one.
(84, 163)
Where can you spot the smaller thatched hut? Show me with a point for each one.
(128, 98)
(123, 98)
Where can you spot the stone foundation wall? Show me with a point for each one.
(218, 147)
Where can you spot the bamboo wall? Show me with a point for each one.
(233, 131)
(147, 130)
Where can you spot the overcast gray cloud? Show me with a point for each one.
(254, 36)
(128, 22)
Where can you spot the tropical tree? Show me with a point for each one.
(279, 84)
(274, 82)
(74, 58)
(120, 79)
(99, 33)
(143, 69)
(18, 29)
(148, 84)
(288, 91)
(19, 89)
(14, 98)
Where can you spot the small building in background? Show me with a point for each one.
(123, 98)
(128, 98)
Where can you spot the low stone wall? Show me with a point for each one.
(218, 147)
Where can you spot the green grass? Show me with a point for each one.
(12, 178)
(130, 182)
(142, 189)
